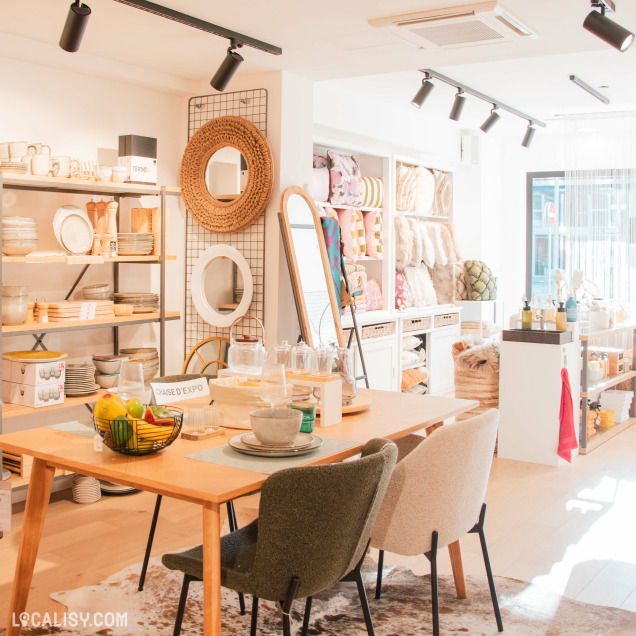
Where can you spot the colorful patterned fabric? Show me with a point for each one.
(344, 219)
(319, 190)
(319, 162)
(403, 298)
(372, 192)
(357, 234)
(405, 187)
(373, 233)
(345, 182)
(331, 231)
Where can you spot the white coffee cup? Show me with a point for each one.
(64, 166)
(105, 173)
(17, 149)
(4, 150)
(119, 174)
(39, 149)
(27, 159)
(41, 165)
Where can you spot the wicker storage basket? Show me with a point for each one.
(236, 396)
(477, 375)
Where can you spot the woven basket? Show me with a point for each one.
(232, 216)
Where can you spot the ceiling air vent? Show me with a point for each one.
(455, 27)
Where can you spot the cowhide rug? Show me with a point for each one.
(404, 610)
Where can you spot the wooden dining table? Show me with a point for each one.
(170, 473)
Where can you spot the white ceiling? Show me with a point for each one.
(331, 40)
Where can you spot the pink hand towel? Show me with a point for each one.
(567, 434)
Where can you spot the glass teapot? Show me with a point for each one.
(246, 353)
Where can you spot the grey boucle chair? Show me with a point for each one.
(312, 531)
(436, 496)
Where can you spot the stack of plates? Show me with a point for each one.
(65, 310)
(80, 380)
(101, 291)
(73, 229)
(149, 358)
(135, 244)
(142, 302)
(18, 167)
(248, 444)
(19, 235)
(86, 489)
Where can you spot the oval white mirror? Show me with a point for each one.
(221, 286)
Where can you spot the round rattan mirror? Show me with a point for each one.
(236, 214)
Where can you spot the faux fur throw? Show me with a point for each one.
(449, 248)
(435, 234)
(428, 249)
(416, 250)
(443, 277)
(403, 241)
(453, 233)
(421, 287)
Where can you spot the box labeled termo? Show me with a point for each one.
(139, 156)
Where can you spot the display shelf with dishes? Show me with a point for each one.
(619, 368)
(76, 230)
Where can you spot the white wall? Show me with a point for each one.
(79, 115)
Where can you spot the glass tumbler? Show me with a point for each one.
(130, 383)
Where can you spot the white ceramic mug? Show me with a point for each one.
(27, 159)
(39, 149)
(119, 174)
(17, 150)
(4, 150)
(41, 165)
(64, 166)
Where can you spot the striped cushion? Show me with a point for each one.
(406, 181)
(373, 233)
(372, 192)
(320, 184)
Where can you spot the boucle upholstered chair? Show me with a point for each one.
(436, 496)
(312, 531)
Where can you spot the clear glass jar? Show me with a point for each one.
(15, 302)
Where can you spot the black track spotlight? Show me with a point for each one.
(423, 93)
(529, 136)
(458, 106)
(228, 68)
(75, 25)
(493, 118)
(602, 27)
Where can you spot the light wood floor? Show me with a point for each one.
(570, 529)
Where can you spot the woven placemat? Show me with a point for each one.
(218, 216)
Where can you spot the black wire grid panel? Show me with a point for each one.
(252, 105)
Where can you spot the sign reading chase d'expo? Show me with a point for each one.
(177, 391)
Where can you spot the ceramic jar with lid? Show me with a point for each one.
(15, 302)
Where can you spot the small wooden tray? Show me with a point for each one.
(359, 403)
(206, 435)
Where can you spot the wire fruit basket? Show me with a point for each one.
(132, 436)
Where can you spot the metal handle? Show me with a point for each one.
(253, 318)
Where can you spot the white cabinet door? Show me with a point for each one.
(380, 358)
(441, 367)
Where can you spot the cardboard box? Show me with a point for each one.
(139, 156)
(34, 373)
(33, 396)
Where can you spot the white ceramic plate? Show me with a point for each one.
(73, 229)
(302, 440)
(236, 443)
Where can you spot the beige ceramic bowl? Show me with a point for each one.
(107, 381)
(124, 310)
(276, 426)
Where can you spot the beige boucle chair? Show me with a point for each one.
(436, 496)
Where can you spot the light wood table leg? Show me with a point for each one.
(36, 504)
(211, 570)
(455, 553)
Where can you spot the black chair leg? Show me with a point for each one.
(287, 604)
(254, 616)
(307, 615)
(378, 585)
(182, 603)
(479, 528)
(434, 598)
(364, 602)
(151, 538)
(231, 519)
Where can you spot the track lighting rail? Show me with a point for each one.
(431, 74)
(202, 25)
